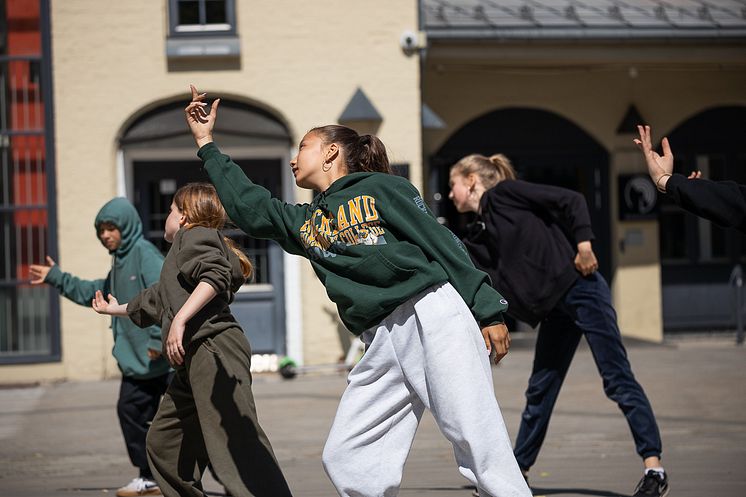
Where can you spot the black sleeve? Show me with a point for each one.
(723, 202)
(566, 207)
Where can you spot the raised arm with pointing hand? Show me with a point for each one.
(200, 122)
(723, 202)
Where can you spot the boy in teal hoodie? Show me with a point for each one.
(136, 265)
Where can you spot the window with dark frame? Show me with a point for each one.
(202, 17)
(29, 314)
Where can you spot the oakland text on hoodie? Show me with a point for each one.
(370, 238)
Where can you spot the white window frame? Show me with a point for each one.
(202, 29)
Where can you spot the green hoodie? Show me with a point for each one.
(135, 266)
(370, 238)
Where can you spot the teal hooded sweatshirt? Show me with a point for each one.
(136, 265)
(370, 237)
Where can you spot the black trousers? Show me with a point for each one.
(138, 402)
(585, 310)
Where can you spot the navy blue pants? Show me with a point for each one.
(584, 310)
(136, 408)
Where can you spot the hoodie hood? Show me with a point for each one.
(344, 182)
(348, 181)
(120, 212)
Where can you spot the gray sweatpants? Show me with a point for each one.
(428, 353)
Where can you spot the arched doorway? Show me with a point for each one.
(697, 256)
(545, 148)
(158, 155)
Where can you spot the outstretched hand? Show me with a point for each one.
(497, 340)
(660, 167)
(39, 272)
(201, 123)
(112, 307)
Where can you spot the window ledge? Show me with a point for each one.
(202, 46)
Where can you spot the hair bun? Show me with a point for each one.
(364, 139)
(501, 162)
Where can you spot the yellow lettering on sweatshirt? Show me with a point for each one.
(356, 214)
(371, 214)
(342, 218)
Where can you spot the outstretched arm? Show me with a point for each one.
(39, 272)
(249, 205)
(112, 307)
(76, 289)
(660, 167)
(723, 202)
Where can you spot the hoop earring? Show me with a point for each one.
(326, 168)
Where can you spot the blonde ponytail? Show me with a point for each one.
(490, 170)
(504, 166)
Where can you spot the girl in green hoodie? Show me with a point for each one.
(406, 285)
(208, 410)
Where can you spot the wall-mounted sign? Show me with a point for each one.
(638, 198)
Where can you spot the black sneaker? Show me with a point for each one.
(653, 484)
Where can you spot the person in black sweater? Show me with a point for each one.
(535, 243)
(723, 202)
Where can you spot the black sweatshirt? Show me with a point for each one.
(525, 238)
(723, 202)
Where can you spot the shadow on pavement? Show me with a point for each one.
(88, 489)
(463, 488)
(575, 491)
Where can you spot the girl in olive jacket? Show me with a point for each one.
(208, 410)
(401, 281)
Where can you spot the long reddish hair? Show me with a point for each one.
(200, 204)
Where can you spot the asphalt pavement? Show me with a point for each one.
(63, 439)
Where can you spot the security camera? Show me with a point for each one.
(411, 41)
